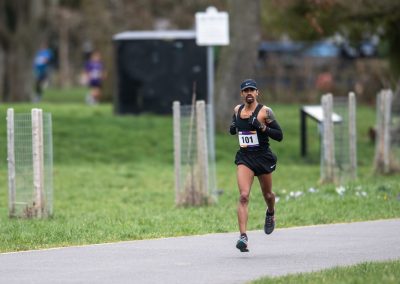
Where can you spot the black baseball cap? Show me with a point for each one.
(248, 83)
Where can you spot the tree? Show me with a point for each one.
(22, 25)
(238, 59)
(315, 19)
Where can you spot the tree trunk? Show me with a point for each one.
(65, 74)
(238, 60)
(18, 75)
(396, 99)
(2, 73)
(19, 33)
(396, 119)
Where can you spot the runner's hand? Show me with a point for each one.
(232, 128)
(253, 121)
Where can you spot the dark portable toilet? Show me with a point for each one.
(155, 68)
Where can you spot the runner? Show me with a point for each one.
(255, 124)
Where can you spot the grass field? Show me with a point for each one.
(109, 185)
(380, 272)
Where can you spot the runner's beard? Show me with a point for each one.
(250, 99)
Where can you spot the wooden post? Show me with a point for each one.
(387, 135)
(328, 140)
(190, 180)
(352, 136)
(38, 166)
(11, 162)
(177, 148)
(382, 147)
(202, 150)
(379, 136)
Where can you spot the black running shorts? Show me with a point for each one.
(260, 162)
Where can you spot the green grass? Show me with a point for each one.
(114, 180)
(66, 95)
(365, 273)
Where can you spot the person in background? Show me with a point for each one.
(254, 124)
(95, 74)
(42, 61)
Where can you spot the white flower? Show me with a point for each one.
(362, 193)
(312, 190)
(340, 190)
(295, 194)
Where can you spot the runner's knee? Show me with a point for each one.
(244, 198)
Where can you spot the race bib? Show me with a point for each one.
(248, 139)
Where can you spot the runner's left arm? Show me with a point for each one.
(273, 130)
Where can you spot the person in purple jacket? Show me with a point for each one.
(95, 74)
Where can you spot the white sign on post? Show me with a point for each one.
(212, 27)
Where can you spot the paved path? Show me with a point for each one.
(209, 258)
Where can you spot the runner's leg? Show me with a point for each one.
(266, 188)
(245, 178)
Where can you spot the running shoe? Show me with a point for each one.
(269, 225)
(242, 244)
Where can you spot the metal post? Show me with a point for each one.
(210, 92)
(210, 102)
(210, 75)
(303, 133)
(177, 149)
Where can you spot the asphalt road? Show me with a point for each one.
(208, 258)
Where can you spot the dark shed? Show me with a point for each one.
(155, 68)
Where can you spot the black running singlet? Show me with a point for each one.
(250, 138)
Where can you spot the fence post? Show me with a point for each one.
(387, 134)
(202, 150)
(352, 136)
(328, 141)
(11, 162)
(37, 159)
(177, 147)
(382, 148)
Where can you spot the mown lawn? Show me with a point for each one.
(114, 180)
(367, 273)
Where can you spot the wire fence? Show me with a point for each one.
(387, 133)
(22, 191)
(341, 135)
(338, 139)
(395, 137)
(190, 168)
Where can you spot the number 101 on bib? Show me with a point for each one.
(248, 139)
